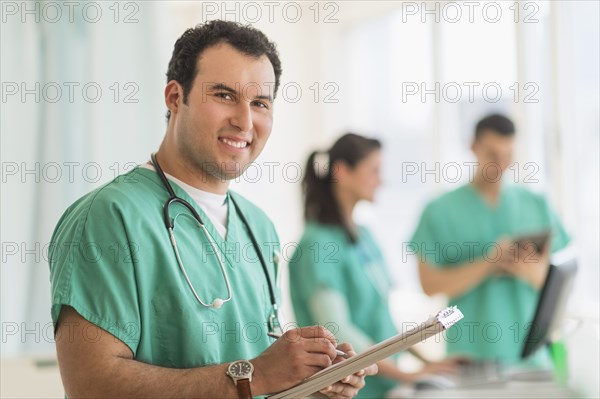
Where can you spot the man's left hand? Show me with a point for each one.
(526, 263)
(349, 386)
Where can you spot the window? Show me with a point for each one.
(420, 85)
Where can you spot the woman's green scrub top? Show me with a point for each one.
(461, 227)
(112, 261)
(326, 259)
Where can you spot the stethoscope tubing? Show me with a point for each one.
(173, 198)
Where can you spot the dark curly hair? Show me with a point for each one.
(497, 123)
(244, 38)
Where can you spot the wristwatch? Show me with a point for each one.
(240, 372)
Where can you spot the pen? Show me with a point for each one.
(337, 351)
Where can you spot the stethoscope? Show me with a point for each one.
(170, 225)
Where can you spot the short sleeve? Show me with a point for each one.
(93, 268)
(560, 238)
(424, 242)
(329, 266)
(320, 261)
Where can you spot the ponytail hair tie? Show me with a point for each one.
(321, 164)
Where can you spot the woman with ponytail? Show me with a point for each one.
(338, 277)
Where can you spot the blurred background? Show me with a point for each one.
(82, 102)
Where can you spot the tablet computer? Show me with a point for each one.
(538, 240)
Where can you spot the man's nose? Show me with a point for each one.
(242, 118)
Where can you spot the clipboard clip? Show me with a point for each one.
(449, 316)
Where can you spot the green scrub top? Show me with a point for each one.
(460, 227)
(112, 261)
(325, 258)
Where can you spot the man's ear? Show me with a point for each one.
(173, 96)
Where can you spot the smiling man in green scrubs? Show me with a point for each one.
(466, 252)
(132, 320)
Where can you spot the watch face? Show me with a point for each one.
(241, 369)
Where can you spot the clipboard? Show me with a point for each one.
(432, 326)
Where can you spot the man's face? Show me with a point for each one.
(494, 153)
(229, 113)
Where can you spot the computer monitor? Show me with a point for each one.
(551, 305)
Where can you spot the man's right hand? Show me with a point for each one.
(297, 355)
(525, 262)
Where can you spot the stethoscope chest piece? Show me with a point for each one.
(217, 303)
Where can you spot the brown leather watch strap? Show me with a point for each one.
(243, 388)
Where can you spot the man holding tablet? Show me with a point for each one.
(482, 246)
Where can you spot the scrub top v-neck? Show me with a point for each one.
(112, 261)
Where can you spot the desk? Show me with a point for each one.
(511, 389)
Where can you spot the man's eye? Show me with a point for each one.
(224, 96)
(261, 104)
